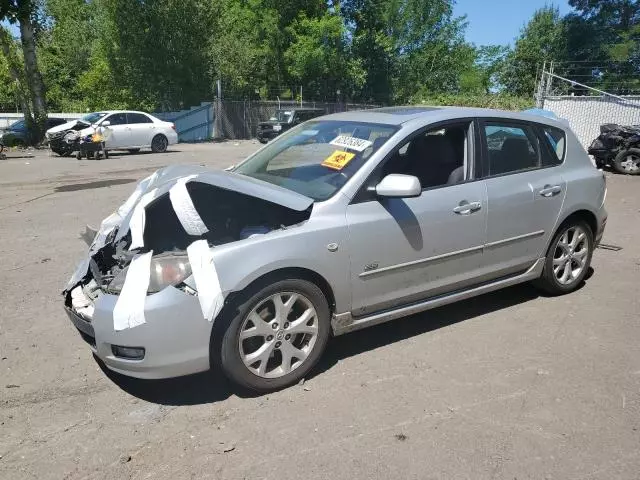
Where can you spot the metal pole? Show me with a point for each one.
(300, 95)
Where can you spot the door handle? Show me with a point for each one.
(466, 208)
(550, 191)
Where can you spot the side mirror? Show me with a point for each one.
(106, 123)
(396, 185)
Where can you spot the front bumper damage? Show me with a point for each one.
(172, 336)
(173, 326)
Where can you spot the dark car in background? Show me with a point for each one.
(16, 134)
(283, 119)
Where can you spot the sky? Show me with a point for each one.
(498, 22)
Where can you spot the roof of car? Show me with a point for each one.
(400, 115)
(109, 112)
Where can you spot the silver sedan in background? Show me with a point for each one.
(345, 221)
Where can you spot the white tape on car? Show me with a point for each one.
(354, 143)
(129, 309)
(138, 219)
(125, 210)
(206, 277)
(184, 208)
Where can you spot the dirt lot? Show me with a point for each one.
(509, 385)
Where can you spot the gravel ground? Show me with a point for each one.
(509, 385)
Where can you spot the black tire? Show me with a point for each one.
(225, 347)
(627, 162)
(159, 144)
(78, 156)
(548, 281)
(263, 140)
(133, 150)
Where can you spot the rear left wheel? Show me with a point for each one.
(159, 144)
(276, 335)
(568, 258)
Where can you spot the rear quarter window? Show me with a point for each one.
(555, 139)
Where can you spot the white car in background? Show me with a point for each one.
(122, 130)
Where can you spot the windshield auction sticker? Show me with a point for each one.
(338, 160)
(357, 144)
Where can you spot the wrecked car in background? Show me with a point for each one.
(122, 130)
(619, 147)
(343, 222)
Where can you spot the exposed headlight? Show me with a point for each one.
(165, 271)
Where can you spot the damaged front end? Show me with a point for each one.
(163, 236)
(64, 139)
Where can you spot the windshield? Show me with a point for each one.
(316, 159)
(281, 116)
(93, 117)
(19, 125)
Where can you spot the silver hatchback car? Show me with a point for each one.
(345, 221)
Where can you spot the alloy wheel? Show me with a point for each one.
(278, 335)
(631, 164)
(570, 255)
(159, 144)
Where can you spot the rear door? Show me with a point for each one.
(525, 194)
(117, 134)
(141, 128)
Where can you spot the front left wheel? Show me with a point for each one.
(276, 335)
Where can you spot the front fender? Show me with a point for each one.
(240, 263)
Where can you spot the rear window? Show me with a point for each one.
(556, 139)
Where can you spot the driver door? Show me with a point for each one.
(405, 250)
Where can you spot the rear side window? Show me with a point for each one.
(556, 140)
(138, 118)
(511, 148)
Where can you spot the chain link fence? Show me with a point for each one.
(240, 119)
(583, 105)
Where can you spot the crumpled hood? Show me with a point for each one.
(164, 178)
(130, 216)
(66, 126)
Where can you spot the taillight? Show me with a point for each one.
(173, 125)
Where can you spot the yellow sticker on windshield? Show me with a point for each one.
(338, 160)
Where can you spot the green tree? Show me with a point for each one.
(605, 33)
(541, 40)
(407, 46)
(154, 52)
(64, 51)
(318, 57)
(25, 13)
(243, 47)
